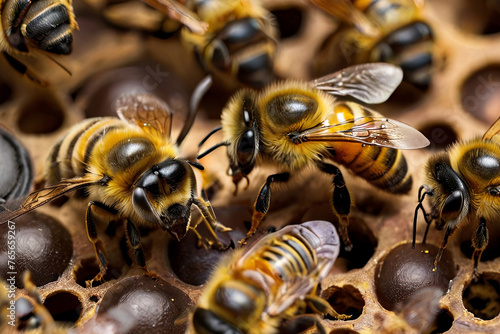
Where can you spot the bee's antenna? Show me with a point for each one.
(213, 148)
(196, 164)
(60, 65)
(209, 135)
(196, 97)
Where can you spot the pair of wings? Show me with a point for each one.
(146, 111)
(370, 83)
(345, 11)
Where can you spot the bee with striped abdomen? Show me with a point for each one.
(392, 31)
(127, 167)
(45, 25)
(235, 40)
(296, 124)
(271, 281)
(464, 187)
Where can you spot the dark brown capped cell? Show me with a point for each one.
(141, 304)
(405, 271)
(42, 245)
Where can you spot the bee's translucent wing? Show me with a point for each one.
(378, 131)
(370, 83)
(345, 11)
(177, 11)
(145, 110)
(493, 131)
(16, 208)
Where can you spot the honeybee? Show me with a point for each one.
(232, 39)
(294, 124)
(464, 187)
(128, 167)
(269, 282)
(392, 31)
(29, 25)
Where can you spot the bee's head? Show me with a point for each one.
(162, 196)
(241, 131)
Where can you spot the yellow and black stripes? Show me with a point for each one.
(289, 256)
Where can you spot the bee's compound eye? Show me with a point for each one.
(246, 148)
(207, 322)
(142, 206)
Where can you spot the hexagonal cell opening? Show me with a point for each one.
(5, 92)
(343, 331)
(482, 296)
(346, 300)
(40, 116)
(88, 268)
(440, 134)
(289, 21)
(364, 243)
(443, 322)
(64, 306)
(480, 93)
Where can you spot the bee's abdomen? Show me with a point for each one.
(69, 156)
(48, 26)
(289, 256)
(385, 168)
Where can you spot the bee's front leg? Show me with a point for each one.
(263, 201)
(480, 239)
(134, 242)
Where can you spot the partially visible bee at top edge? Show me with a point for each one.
(234, 40)
(392, 31)
(271, 281)
(46, 26)
(292, 125)
(127, 167)
(463, 186)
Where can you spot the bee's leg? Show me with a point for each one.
(480, 239)
(94, 238)
(449, 231)
(263, 201)
(134, 241)
(340, 201)
(209, 218)
(321, 306)
(23, 69)
(300, 322)
(427, 217)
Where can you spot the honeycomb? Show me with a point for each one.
(374, 283)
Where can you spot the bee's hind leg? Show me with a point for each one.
(340, 201)
(94, 238)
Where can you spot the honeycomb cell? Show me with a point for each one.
(482, 296)
(88, 268)
(42, 245)
(145, 305)
(480, 93)
(5, 92)
(364, 243)
(289, 21)
(64, 306)
(17, 173)
(194, 264)
(440, 134)
(98, 96)
(40, 116)
(346, 300)
(444, 322)
(405, 271)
